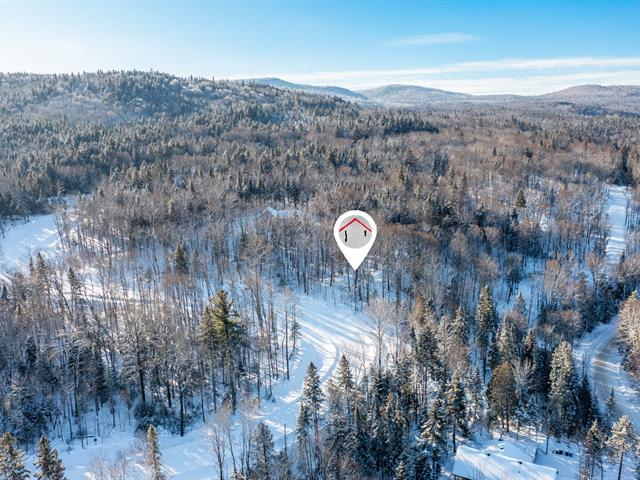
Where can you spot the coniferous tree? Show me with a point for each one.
(609, 411)
(401, 471)
(181, 260)
(47, 461)
(587, 408)
(433, 436)
(460, 327)
(621, 440)
(262, 458)
(594, 444)
(563, 391)
(457, 409)
(11, 459)
(153, 457)
(486, 324)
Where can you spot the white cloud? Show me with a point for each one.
(433, 39)
(520, 76)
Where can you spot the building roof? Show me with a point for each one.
(475, 464)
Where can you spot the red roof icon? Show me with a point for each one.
(355, 219)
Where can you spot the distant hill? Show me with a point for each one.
(412, 96)
(343, 93)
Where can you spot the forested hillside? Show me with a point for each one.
(202, 211)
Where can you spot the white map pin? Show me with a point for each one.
(355, 231)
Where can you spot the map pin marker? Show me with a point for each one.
(355, 231)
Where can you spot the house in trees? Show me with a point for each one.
(472, 464)
(355, 232)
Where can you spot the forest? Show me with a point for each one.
(193, 215)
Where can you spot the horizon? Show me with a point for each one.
(525, 49)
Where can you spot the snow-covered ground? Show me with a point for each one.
(617, 209)
(21, 239)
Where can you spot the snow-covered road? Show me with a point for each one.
(598, 349)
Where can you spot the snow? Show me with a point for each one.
(24, 239)
(602, 359)
(475, 464)
(513, 450)
(617, 208)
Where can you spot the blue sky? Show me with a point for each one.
(469, 46)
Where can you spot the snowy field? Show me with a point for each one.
(21, 239)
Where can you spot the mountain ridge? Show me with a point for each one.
(588, 98)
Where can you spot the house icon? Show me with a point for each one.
(355, 232)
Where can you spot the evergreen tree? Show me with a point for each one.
(520, 200)
(11, 459)
(433, 435)
(563, 391)
(153, 457)
(621, 440)
(529, 347)
(494, 358)
(609, 411)
(457, 409)
(460, 327)
(594, 444)
(309, 415)
(587, 409)
(507, 343)
(338, 432)
(486, 324)
(47, 461)
(262, 458)
(181, 260)
(401, 471)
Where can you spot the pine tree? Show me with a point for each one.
(609, 411)
(312, 397)
(460, 327)
(563, 390)
(594, 444)
(433, 435)
(587, 409)
(11, 459)
(529, 347)
(153, 457)
(262, 457)
(494, 358)
(222, 336)
(622, 439)
(457, 409)
(181, 260)
(401, 471)
(47, 461)
(486, 324)
(520, 200)
(338, 432)
(507, 343)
